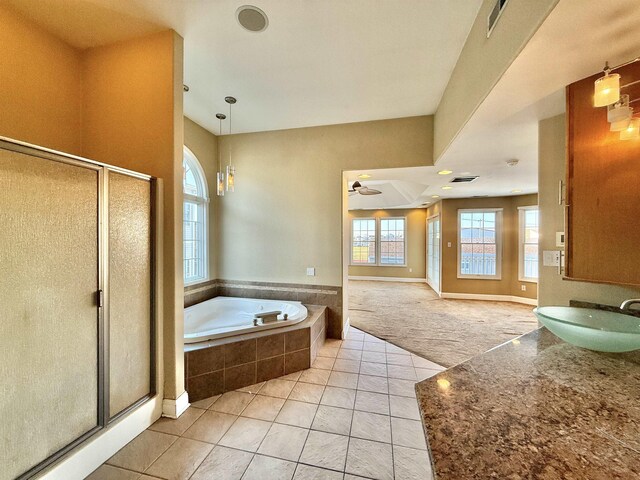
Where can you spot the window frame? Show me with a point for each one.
(498, 244)
(375, 239)
(378, 243)
(201, 202)
(521, 243)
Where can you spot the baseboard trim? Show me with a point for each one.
(345, 329)
(389, 279)
(89, 456)
(484, 296)
(174, 408)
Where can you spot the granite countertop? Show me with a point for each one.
(535, 408)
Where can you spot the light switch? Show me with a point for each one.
(311, 271)
(551, 258)
(449, 244)
(560, 239)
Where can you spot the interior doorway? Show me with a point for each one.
(433, 252)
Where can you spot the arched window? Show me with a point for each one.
(194, 234)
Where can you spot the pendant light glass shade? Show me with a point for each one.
(607, 90)
(620, 125)
(231, 178)
(620, 110)
(632, 131)
(220, 188)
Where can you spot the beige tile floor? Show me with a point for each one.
(352, 415)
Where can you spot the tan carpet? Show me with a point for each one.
(411, 316)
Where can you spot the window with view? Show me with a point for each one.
(194, 233)
(528, 251)
(378, 241)
(363, 241)
(479, 248)
(392, 244)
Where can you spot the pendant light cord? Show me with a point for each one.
(219, 153)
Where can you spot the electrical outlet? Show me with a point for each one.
(311, 271)
(449, 244)
(410, 270)
(523, 288)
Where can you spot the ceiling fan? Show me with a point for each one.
(362, 190)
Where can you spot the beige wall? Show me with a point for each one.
(133, 118)
(204, 146)
(551, 169)
(509, 283)
(286, 212)
(40, 86)
(415, 247)
(483, 61)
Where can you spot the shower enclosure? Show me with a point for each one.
(77, 320)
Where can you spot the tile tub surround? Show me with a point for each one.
(329, 296)
(234, 362)
(288, 428)
(535, 408)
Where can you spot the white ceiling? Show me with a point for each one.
(414, 187)
(320, 62)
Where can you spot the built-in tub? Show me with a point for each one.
(227, 316)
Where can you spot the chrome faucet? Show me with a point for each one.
(627, 303)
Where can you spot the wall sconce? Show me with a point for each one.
(619, 113)
(607, 88)
(632, 131)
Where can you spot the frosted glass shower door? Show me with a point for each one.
(130, 291)
(49, 316)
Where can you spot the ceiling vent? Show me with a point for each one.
(494, 15)
(463, 179)
(252, 18)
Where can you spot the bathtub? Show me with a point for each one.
(228, 316)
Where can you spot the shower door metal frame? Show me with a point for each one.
(102, 294)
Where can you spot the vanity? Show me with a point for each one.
(535, 408)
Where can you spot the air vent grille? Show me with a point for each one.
(463, 179)
(494, 15)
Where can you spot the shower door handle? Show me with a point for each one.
(100, 298)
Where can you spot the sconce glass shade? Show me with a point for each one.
(620, 125)
(220, 184)
(607, 90)
(619, 114)
(632, 131)
(620, 110)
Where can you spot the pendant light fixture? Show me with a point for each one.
(231, 171)
(220, 173)
(607, 88)
(632, 132)
(619, 112)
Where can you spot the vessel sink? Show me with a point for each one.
(598, 330)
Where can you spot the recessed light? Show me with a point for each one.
(445, 172)
(252, 18)
(435, 196)
(516, 191)
(447, 187)
(364, 175)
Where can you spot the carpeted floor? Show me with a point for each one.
(411, 316)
